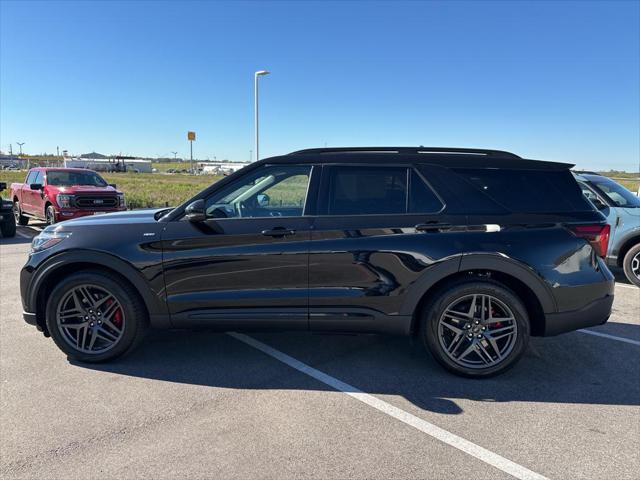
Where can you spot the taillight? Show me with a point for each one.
(596, 235)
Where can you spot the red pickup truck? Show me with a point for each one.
(57, 194)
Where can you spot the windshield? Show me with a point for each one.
(615, 192)
(68, 178)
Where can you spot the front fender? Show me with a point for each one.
(154, 301)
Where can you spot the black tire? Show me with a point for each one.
(433, 312)
(50, 215)
(631, 265)
(132, 307)
(8, 227)
(17, 214)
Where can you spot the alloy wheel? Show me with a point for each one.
(90, 319)
(477, 331)
(635, 265)
(51, 219)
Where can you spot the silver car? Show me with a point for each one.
(622, 209)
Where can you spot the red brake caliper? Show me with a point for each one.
(117, 316)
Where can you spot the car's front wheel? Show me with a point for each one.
(50, 215)
(92, 318)
(475, 328)
(631, 265)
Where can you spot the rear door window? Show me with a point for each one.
(529, 191)
(422, 199)
(367, 190)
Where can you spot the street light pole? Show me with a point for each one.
(20, 144)
(259, 73)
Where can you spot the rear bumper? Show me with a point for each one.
(592, 314)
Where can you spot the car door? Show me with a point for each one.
(31, 198)
(377, 231)
(246, 265)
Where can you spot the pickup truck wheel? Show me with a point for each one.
(475, 329)
(631, 264)
(8, 227)
(50, 215)
(17, 213)
(92, 317)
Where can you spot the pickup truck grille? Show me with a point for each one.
(96, 202)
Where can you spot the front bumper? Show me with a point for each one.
(592, 314)
(68, 214)
(30, 318)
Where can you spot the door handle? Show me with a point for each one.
(278, 232)
(432, 227)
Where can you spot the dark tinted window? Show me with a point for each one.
(421, 198)
(367, 190)
(529, 191)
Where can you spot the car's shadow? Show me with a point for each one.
(620, 276)
(573, 368)
(14, 240)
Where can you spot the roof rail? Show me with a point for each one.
(410, 150)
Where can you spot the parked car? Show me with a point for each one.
(622, 209)
(57, 194)
(472, 251)
(7, 222)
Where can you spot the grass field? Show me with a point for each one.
(144, 190)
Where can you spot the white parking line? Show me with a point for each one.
(610, 337)
(624, 285)
(434, 431)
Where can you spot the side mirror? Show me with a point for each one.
(195, 211)
(36, 186)
(113, 185)
(263, 200)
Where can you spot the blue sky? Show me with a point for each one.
(548, 80)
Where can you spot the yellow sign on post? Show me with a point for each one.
(191, 136)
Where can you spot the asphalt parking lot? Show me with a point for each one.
(207, 405)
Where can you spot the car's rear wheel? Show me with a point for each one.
(631, 265)
(475, 329)
(92, 318)
(17, 214)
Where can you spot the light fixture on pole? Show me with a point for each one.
(259, 73)
(20, 144)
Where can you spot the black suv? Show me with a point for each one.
(472, 251)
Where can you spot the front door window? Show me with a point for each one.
(272, 191)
